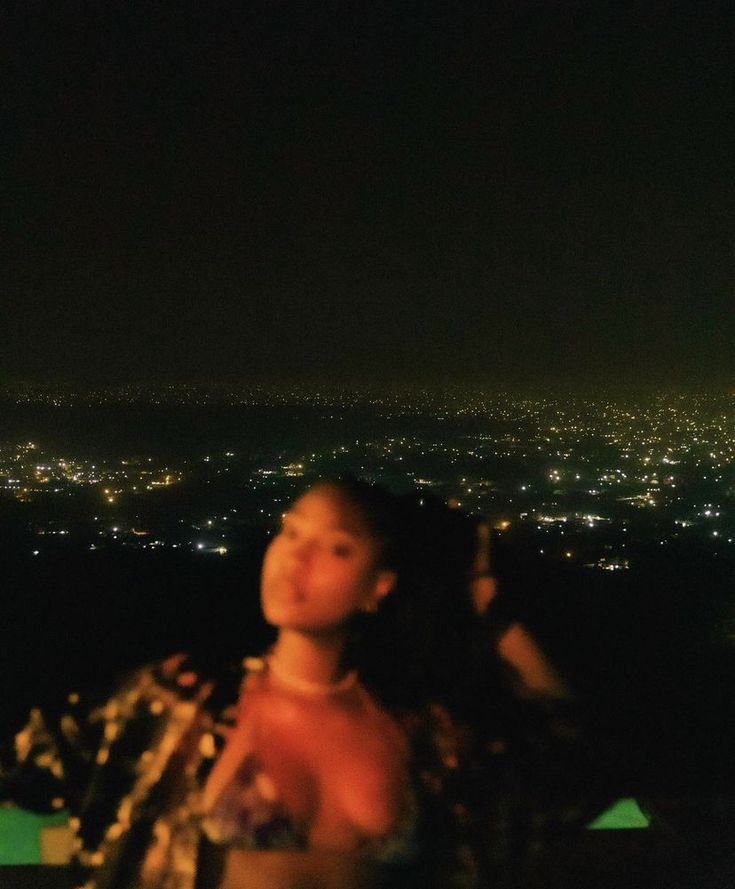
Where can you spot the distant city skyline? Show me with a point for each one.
(587, 483)
(510, 194)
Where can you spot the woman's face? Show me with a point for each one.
(320, 569)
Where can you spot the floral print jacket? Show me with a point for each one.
(130, 770)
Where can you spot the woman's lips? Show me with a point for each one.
(286, 590)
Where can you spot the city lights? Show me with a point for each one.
(586, 473)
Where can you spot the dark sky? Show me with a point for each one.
(493, 192)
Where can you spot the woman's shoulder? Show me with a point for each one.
(216, 686)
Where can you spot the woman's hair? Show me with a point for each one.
(412, 649)
(382, 513)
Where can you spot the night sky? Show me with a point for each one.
(498, 193)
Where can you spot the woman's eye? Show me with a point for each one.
(341, 550)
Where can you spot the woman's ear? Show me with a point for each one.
(385, 580)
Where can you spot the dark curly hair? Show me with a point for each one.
(412, 649)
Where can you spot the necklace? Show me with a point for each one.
(306, 686)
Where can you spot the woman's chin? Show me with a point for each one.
(282, 604)
(278, 616)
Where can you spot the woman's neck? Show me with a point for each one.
(311, 658)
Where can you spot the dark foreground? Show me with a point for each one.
(647, 653)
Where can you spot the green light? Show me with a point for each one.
(622, 815)
(20, 832)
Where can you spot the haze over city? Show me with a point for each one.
(506, 194)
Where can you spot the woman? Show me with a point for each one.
(295, 776)
(322, 762)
